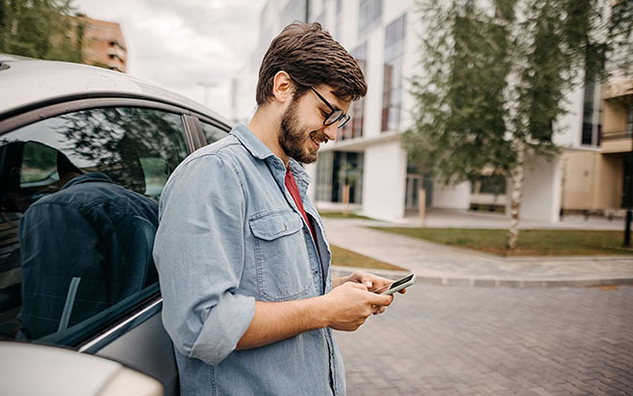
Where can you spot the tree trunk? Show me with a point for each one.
(422, 206)
(516, 195)
(346, 191)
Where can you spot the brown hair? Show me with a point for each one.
(311, 57)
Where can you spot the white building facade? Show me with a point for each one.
(368, 156)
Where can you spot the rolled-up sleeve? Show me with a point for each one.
(199, 254)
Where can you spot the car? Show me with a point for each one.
(60, 286)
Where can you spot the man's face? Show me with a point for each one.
(302, 130)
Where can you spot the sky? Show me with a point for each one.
(184, 44)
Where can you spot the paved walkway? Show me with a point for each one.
(442, 341)
(441, 264)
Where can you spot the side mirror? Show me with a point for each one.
(29, 369)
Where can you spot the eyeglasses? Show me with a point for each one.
(336, 115)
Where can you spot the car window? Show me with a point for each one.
(212, 133)
(78, 214)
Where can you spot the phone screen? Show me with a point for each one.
(401, 281)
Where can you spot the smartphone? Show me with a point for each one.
(400, 284)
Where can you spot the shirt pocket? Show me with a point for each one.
(281, 256)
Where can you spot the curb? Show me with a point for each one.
(490, 283)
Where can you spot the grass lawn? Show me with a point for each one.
(347, 258)
(531, 242)
(341, 215)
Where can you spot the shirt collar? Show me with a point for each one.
(90, 177)
(259, 150)
(301, 176)
(252, 143)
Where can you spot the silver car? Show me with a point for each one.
(68, 277)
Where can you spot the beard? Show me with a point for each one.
(293, 141)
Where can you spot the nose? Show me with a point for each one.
(330, 131)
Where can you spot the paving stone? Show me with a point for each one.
(440, 340)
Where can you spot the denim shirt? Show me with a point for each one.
(230, 234)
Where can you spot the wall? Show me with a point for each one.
(614, 124)
(451, 196)
(542, 190)
(569, 125)
(592, 181)
(384, 181)
(608, 192)
(579, 169)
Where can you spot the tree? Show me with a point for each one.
(494, 82)
(40, 29)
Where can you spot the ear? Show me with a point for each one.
(283, 87)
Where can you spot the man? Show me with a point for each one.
(83, 248)
(241, 251)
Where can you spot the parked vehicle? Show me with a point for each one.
(98, 294)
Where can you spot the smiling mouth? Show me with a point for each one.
(318, 140)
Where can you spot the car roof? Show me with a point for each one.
(26, 82)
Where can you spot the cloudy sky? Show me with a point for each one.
(185, 43)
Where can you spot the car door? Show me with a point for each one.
(58, 283)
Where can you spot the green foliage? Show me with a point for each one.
(460, 114)
(494, 82)
(40, 29)
(620, 32)
(555, 39)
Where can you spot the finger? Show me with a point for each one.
(381, 300)
(403, 291)
(380, 289)
(366, 279)
(359, 286)
(378, 310)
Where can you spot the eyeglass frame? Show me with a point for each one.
(333, 110)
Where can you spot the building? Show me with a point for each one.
(367, 165)
(103, 43)
(598, 178)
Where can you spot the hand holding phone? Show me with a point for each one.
(398, 285)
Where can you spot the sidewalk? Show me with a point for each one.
(441, 264)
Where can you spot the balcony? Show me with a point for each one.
(617, 141)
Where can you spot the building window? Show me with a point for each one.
(347, 170)
(392, 84)
(335, 171)
(324, 177)
(591, 114)
(629, 121)
(295, 10)
(338, 19)
(370, 13)
(354, 128)
(318, 13)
